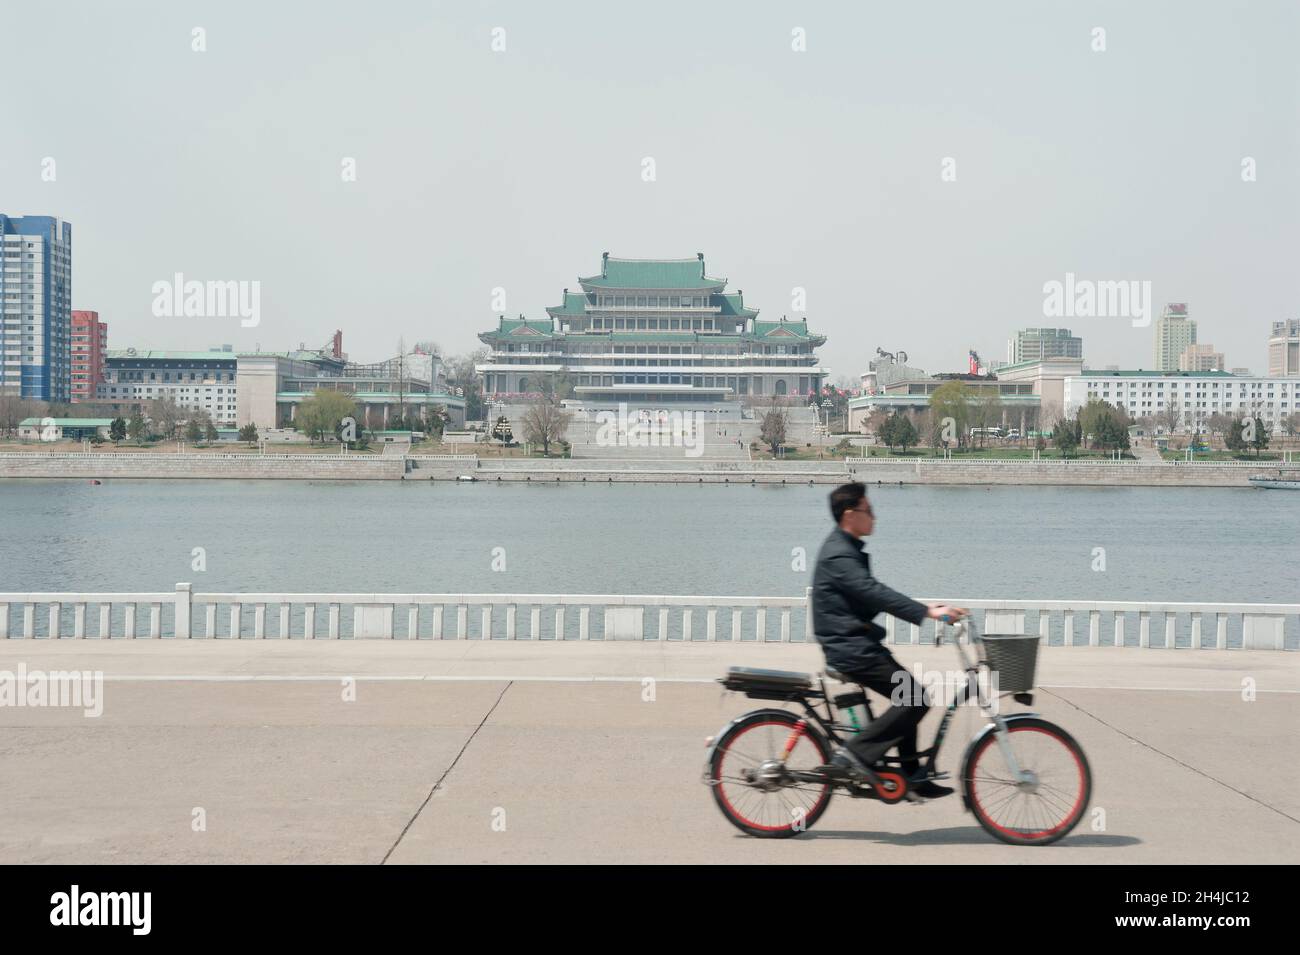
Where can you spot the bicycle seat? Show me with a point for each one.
(837, 675)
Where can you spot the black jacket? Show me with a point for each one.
(846, 598)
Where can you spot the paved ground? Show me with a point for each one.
(516, 752)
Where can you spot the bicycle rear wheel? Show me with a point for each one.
(751, 782)
(1035, 812)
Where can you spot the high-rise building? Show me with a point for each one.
(660, 333)
(89, 343)
(1042, 344)
(1174, 332)
(1284, 349)
(36, 307)
(1201, 358)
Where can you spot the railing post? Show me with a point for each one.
(56, 612)
(309, 622)
(808, 634)
(184, 596)
(4, 621)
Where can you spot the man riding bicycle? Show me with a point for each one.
(845, 600)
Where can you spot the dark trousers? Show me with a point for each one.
(901, 717)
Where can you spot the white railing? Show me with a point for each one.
(185, 614)
(154, 456)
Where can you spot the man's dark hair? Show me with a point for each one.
(846, 497)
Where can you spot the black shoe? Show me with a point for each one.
(931, 790)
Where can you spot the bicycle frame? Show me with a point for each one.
(997, 724)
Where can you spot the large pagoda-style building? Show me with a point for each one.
(653, 333)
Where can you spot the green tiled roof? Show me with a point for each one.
(519, 328)
(786, 329)
(653, 273)
(731, 306)
(574, 304)
(68, 422)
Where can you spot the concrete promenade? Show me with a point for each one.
(674, 468)
(472, 751)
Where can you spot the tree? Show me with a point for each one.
(1170, 416)
(544, 422)
(1247, 433)
(248, 433)
(899, 430)
(193, 430)
(323, 413)
(1066, 435)
(117, 430)
(166, 416)
(435, 420)
(136, 427)
(950, 412)
(1290, 424)
(772, 427)
(13, 410)
(987, 413)
(209, 429)
(461, 374)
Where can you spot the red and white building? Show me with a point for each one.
(89, 345)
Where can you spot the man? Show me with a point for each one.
(845, 600)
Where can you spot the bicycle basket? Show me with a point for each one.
(1013, 656)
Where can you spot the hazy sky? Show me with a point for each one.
(818, 169)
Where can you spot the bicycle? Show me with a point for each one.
(768, 774)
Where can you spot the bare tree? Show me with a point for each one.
(1170, 417)
(545, 422)
(13, 410)
(772, 428)
(165, 414)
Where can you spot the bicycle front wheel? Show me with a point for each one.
(1038, 810)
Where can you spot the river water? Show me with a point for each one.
(1176, 544)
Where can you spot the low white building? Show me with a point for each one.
(195, 380)
(1195, 395)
